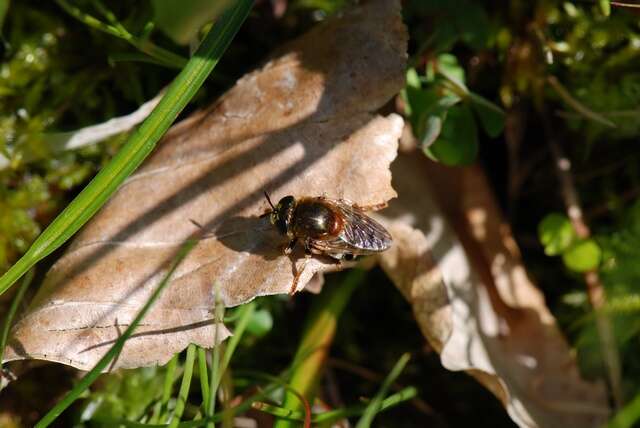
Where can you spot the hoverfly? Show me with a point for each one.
(332, 227)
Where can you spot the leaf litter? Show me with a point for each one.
(303, 124)
(457, 264)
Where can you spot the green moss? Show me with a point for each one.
(49, 82)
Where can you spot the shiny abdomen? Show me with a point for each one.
(315, 220)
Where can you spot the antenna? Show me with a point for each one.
(269, 200)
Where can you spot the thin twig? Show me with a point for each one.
(595, 289)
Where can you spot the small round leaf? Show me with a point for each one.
(583, 256)
(260, 323)
(556, 234)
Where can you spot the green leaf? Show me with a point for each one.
(181, 20)
(427, 111)
(413, 79)
(628, 416)
(491, 116)
(429, 123)
(583, 256)
(605, 7)
(458, 141)
(260, 323)
(556, 234)
(419, 101)
(448, 65)
(432, 130)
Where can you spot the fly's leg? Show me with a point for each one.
(296, 278)
(288, 249)
(307, 248)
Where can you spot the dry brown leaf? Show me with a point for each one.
(473, 300)
(301, 125)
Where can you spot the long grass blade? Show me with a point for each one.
(628, 416)
(183, 395)
(161, 408)
(26, 281)
(139, 145)
(335, 415)
(244, 316)
(203, 374)
(375, 405)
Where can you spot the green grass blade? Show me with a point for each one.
(160, 409)
(628, 416)
(393, 400)
(161, 55)
(335, 415)
(183, 395)
(203, 374)
(139, 145)
(12, 312)
(113, 352)
(317, 337)
(167, 388)
(210, 406)
(244, 316)
(376, 404)
(245, 312)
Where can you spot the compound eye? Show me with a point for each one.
(282, 225)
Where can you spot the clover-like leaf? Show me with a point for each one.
(304, 124)
(457, 143)
(556, 233)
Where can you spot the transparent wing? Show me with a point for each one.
(360, 233)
